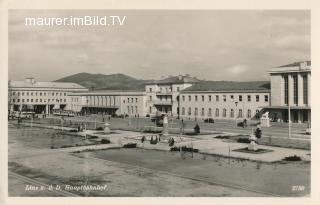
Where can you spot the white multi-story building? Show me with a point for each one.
(130, 103)
(40, 97)
(224, 100)
(290, 89)
(163, 95)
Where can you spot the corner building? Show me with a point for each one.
(41, 97)
(290, 90)
(163, 95)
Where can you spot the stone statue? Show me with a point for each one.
(106, 129)
(253, 145)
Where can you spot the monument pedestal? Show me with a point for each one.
(252, 146)
(165, 131)
(264, 120)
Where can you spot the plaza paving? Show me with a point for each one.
(152, 170)
(206, 144)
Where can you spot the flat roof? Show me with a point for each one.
(36, 84)
(174, 80)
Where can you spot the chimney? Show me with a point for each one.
(30, 80)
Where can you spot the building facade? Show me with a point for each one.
(108, 102)
(163, 96)
(40, 97)
(224, 100)
(290, 90)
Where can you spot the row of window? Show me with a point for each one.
(100, 100)
(130, 100)
(38, 100)
(40, 93)
(224, 98)
(217, 112)
(166, 90)
(131, 111)
(74, 99)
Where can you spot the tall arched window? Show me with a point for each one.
(257, 114)
(240, 113)
(183, 111)
(209, 112)
(202, 111)
(217, 112)
(224, 112)
(189, 111)
(196, 111)
(232, 113)
(249, 114)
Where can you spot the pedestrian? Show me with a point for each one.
(258, 132)
(143, 138)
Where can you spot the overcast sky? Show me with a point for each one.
(211, 45)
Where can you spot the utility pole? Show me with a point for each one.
(235, 114)
(289, 110)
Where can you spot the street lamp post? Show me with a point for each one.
(289, 121)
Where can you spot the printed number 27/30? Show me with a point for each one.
(297, 188)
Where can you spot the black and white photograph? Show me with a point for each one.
(159, 103)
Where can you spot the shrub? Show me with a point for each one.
(99, 128)
(152, 131)
(209, 120)
(105, 141)
(243, 140)
(92, 137)
(184, 148)
(292, 158)
(222, 137)
(197, 129)
(147, 115)
(130, 145)
(73, 130)
(66, 146)
(154, 141)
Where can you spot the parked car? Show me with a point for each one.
(24, 115)
(209, 120)
(158, 119)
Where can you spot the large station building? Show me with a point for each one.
(180, 96)
(131, 103)
(41, 97)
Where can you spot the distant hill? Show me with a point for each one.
(124, 82)
(105, 82)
